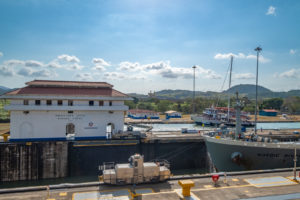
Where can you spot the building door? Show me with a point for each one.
(70, 129)
(109, 130)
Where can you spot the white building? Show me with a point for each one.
(142, 114)
(55, 110)
(172, 114)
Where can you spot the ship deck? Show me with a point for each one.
(279, 185)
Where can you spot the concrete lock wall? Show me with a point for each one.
(32, 161)
(41, 160)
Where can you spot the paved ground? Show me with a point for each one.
(270, 186)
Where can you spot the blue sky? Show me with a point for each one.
(146, 45)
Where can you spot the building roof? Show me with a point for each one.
(75, 84)
(67, 88)
(269, 110)
(171, 112)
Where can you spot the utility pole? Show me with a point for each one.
(295, 164)
(257, 49)
(193, 111)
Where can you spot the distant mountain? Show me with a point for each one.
(243, 90)
(140, 96)
(4, 90)
(247, 89)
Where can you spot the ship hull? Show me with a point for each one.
(251, 155)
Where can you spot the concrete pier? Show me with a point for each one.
(278, 185)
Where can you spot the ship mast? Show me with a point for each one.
(238, 107)
(257, 49)
(228, 112)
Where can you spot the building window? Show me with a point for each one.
(111, 112)
(70, 111)
(110, 103)
(91, 103)
(59, 102)
(49, 102)
(101, 103)
(26, 102)
(26, 112)
(37, 102)
(70, 103)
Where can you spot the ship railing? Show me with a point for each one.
(107, 165)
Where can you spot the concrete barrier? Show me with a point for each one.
(181, 177)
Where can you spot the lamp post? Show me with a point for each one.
(193, 111)
(257, 49)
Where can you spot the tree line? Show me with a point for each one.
(290, 105)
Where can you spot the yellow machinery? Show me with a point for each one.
(135, 172)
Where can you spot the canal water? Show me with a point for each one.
(178, 127)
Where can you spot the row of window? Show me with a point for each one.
(69, 112)
(60, 102)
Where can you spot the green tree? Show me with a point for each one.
(164, 105)
(274, 103)
(130, 104)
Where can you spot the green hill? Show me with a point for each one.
(247, 89)
(243, 90)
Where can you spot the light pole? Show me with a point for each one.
(193, 111)
(257, 49)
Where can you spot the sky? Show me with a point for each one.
(151, 45)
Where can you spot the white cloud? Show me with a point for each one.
(84, 76)
(271, 11)
(68, 66)
(33, 63)
(164, 69)
(99, 68)
(6, 71)
(157, 65)
(129, 66)
(244, 76)
(114, 75)
(25, 72)
(100, 64)
(68, 58)
(292, 51)
(122, 76)
(263, 59)
(43, 73)
(14, 62)
(208, 73)
(100, 61)
(220, 56)
(28, 72)
(1, 54)
(28, 63)
(54, 65)
(74, 66)
(292, 73)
